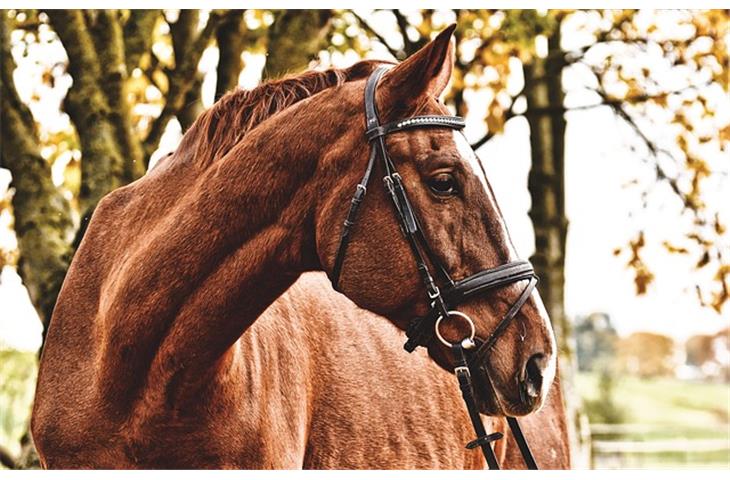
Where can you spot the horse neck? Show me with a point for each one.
(225, 248)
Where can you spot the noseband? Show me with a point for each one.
(442, 299)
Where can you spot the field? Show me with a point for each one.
(668, 423)
(17, 383)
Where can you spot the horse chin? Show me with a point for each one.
(492, 402)
(487, 398)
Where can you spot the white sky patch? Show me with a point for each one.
(467, 153)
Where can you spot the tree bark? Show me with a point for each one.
(102, 166)
(188, 51)
(138, 35)
(43, 222)
(110, 48)
(546, 183)
(294, 39)
(229, 37)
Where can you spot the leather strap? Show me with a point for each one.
(375, 133)
(371, 120)
(500, 276)
(483, 440)
(483, 349)
(514, 426)
(357, 199)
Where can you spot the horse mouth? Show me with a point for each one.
(493, 403)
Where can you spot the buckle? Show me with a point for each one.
(433, 294)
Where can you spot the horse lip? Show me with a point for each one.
(485, 393)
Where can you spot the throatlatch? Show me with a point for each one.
(442, 299)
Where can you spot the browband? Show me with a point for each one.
(456, 123)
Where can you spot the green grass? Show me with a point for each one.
(665, 402)
(18, 372)
(667, 409)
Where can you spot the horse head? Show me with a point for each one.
(459, 229)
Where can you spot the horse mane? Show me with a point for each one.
(237, 112)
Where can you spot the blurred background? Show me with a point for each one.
(605, 134)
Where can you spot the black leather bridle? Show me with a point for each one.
(442, 299)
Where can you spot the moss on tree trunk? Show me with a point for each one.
(42, 215)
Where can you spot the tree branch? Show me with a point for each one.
(109, 42)
(102, 167)
(607, 100)
(655, 151)
(138, 36)
(229, 37)
(409, 46)
(397, 54)
(181, 78)
(42, 214)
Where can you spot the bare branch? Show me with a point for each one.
(138, 35)
(644, 97)
(102, 168)
(180, 80)
(229, 37)
(397, 54)
(42, 214)
(409, 46)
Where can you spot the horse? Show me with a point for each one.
(152, 357)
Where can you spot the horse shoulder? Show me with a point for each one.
(373, 404)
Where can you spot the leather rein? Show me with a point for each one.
(443, 300)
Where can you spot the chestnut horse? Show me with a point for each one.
(153, 358)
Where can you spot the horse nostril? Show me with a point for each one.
(533, 374)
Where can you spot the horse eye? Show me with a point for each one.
(442, 184)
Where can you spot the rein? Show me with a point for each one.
(442, 300)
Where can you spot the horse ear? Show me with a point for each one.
(426, 72)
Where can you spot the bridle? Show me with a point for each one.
(444, 299)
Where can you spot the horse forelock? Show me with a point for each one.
(239, 111)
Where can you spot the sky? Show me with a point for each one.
(602, 212)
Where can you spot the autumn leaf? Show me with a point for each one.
(673, 248)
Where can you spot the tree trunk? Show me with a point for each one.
(230, 36)
(138, 35)
(295, 37)
(546, 183)
(109, 42)
(42, 215)
(102, 166)
(188, 50)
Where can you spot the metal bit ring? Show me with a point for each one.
(467, 342)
